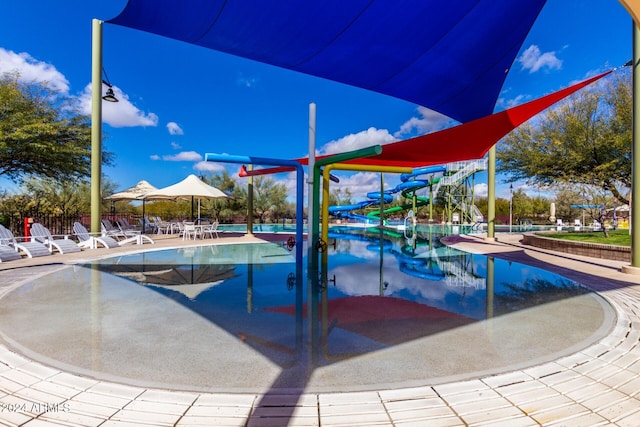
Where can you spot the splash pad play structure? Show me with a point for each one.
(414, 157)
(453, 178)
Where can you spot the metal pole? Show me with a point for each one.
(381, 202)
(310, 180)
(96, 124)
(510, 206)
(635, 172)
(250, 203)
(491, 194)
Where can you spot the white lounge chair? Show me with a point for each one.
(31, 248)
(131, 234)
(125, 227)
(108, 229)
(92, 242)
(7, 253)
(42, 234)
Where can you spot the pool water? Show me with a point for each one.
(391, 310)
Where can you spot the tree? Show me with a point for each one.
(339, 196)
(228, 209)
(41, 134)
(586, 140)
(268, 196)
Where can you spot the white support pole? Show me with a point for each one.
(312, 161)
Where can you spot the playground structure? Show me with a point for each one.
(453, 181)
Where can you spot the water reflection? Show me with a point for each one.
(387, 310)
(375, 289)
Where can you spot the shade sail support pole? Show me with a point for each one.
(634, 203)
(96, 125)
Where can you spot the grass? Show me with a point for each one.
(616, 237)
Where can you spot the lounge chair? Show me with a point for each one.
(131, 234)
(31, 249)
(108, 229)
(92, 242)
(41, 234)
(125, 227)
(7, 253)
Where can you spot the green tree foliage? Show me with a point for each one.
(41, 134)
(585, 140)
(235, 207)
(269, 197)
(340, 196)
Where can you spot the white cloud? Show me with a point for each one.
(118, 114)
(208, 166)
(429, 121)
(533, 59)
(184, 156)
(175, 145)
(365, 138)
(154, 157)
(359, 184)
(32, 70)
(481, 190)
(174, 129)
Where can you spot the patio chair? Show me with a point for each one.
(163, 227)
(41, 234)
(31, 249)
(92, 242)
(210, 229)
(190, 230)
(147, 225)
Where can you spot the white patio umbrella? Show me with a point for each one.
(134, 193)
(192, 187)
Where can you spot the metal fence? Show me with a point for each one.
(57, 224)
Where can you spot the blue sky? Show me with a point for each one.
(180, 101)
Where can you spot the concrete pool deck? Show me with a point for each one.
(599, 385)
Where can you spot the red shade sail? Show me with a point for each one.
(467, 141)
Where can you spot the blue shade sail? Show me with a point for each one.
(450, 56)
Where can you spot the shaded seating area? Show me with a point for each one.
(30, 248)
(63, 245)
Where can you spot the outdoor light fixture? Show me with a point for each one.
(110, 96)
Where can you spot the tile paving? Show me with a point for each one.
(599, 385)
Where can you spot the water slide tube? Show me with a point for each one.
(409, 183)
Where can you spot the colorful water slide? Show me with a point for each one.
(410, 183)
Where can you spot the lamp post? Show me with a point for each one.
(510, 206)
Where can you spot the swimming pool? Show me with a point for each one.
(395, 311)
